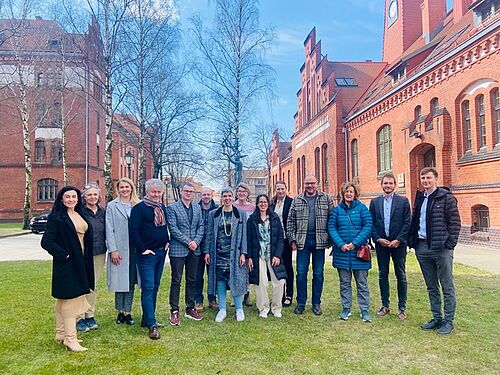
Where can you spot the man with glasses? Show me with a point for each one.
(185, 222)
(307, 231)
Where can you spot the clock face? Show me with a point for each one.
(393, 9)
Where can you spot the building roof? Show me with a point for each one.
(38, 35)
(419, 57)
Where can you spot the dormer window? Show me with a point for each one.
(398, 73)
(53, 43)
(485, 10)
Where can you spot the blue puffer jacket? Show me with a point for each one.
(342, 232)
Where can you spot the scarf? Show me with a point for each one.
(159, 215)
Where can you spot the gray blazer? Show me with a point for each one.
(238, 279)
(182, 231)
(117, 238)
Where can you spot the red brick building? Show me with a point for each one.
(433, 101)
(57, 70)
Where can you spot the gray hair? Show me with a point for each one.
(90, 186)
(227, 189)
(154, 182)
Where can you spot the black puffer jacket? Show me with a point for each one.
(254, 245)
(443, 220)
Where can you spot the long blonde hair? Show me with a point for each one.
(133, 194)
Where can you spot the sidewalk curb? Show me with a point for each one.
(15, 234)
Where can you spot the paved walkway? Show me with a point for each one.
(27, 247)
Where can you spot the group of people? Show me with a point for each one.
(238, 244)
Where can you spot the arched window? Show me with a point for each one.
(417, 112)
(40, 152)
(317, 164)
(495, 108)
(299, 176)
(481, 120)
(384, 149)
(288, 179)
(324, 163)
(47, 189)
(434, 106)
(354, 157)
(480, 218)
(303, 167)
(466, 125)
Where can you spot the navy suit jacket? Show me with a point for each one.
(399, 223)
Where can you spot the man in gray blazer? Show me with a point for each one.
(185, 223)
(391, 223)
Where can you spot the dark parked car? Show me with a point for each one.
(37, 223)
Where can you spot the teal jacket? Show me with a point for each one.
(343, 232)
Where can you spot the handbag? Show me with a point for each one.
(363, 251)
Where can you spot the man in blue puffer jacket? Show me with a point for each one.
(349, 226)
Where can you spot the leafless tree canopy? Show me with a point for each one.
(233, 73)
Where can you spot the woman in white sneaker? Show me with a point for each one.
(265, 249)
(225, 253)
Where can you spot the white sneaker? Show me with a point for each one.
(277, 314)
(240, 315)
(263, 314)
(221, 315)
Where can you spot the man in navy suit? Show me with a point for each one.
(185, 222)
(391, 223)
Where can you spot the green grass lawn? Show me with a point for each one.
(292, 345)
(8, 228)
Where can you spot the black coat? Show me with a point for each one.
(286, 209)
(254, 245)
(442, 220)
(399, 223)
(73, 275)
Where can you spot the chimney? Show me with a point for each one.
(460, 7)
(433, 15)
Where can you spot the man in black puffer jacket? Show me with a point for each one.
(434, 234)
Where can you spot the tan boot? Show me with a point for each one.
(70, 339)
(59, 327)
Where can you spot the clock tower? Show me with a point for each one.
(402, 27)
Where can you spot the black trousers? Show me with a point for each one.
(190, 262)
(287, 261)
(398, 255)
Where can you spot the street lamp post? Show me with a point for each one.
(129, 158)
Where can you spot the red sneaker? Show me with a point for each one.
(193, 314)
(174, 318)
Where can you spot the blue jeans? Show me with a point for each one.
(318, 266)
(150, 269)
(221, 295)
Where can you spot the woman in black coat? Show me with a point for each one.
(265, 248)
(68, 238)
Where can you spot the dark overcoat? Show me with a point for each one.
(72, 269)
(254, 245)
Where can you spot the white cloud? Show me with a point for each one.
(156, 9)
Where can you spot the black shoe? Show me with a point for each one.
(431, 325)
(154, 334)
(299, 310)
(129, 320)
(247, 301)
(317, 310)
(120, 319)
(446, 328)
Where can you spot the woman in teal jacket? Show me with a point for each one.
(349, 226)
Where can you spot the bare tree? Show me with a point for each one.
(233, 72)
(21, 71)
(148, 38)
(111, 15)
